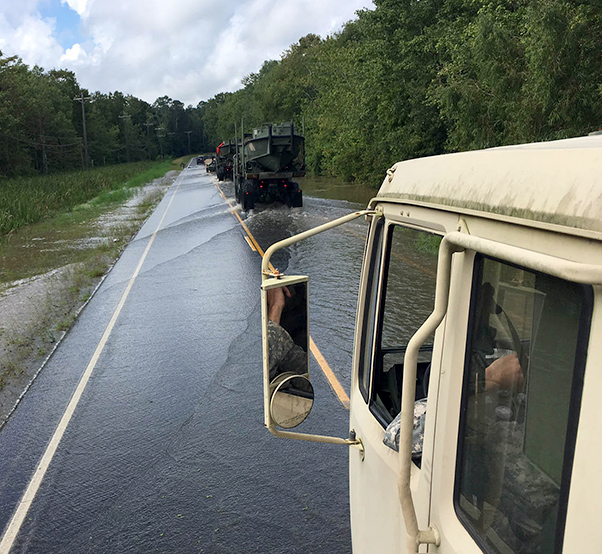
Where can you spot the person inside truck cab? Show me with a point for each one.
(503, 375)
(506, 489)
(285, 354)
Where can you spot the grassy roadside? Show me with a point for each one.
(49, 269)
(28, 200)
(22, 257)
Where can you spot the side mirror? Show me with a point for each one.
(273, 369)
(288, 391)
(291, 401)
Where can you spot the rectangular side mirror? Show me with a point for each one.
(285, 330)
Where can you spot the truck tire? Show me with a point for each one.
(237, 194)
(297, 199)
(248, 196)
(294, 196)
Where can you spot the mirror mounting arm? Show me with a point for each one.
(269, 272)
(351, 441)
(272, 273)
(265, 265)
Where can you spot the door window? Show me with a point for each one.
(407, 300)
(522, 390)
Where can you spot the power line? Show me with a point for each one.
(42, 144)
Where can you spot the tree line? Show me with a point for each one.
(42, 124)
(409, 78)
(415, 78)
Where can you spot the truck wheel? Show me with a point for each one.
(248, 196)
(297, 199)
(294, 196)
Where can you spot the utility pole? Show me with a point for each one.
(148, 126)
(160, 129)
(242, 148)
(171, 143)
(303, 122)
(235, 176)
(125, 132)
(83, 99)
(188, 133)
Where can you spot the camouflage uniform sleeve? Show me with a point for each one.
(391, 438)
(284, 352)
(419, 423)
(280, 342)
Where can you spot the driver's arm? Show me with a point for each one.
(505, 373)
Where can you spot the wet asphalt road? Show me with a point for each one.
(166, 451)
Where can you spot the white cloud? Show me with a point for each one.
(15, 12)
(187, 49)
(78, 6)
(74, 54)
(32, 39)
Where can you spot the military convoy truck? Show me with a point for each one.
(265, 163)
(225, 160)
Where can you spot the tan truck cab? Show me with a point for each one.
(474, 422)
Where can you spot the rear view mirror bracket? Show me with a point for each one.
(288, 393)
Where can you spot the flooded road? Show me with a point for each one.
(332, 260)
(165, 450)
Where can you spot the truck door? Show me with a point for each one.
(506, 432)
(398, 288)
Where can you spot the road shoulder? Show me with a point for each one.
(37, 312)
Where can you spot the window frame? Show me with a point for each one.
(376, 346)
(374, 256)
(377, 313)
(583, 334)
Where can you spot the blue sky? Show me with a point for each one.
(189, 50)
(67, 22)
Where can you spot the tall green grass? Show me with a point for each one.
(26, 200)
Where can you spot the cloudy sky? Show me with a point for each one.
(186, 49)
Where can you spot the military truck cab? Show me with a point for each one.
(474, 423)
(225, 153)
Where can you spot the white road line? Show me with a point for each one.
(251, 246)
(34, 484)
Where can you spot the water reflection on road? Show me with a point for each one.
(334, 189)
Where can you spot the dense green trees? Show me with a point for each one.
(409, 78)
(35, 128)
(522, 70)
(421, 77)
(41, 125)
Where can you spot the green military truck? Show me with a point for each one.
(225, 160)
(265, 163)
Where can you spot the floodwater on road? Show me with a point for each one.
(73, 237)
(332, 260)
(335, 189)
(166, 450)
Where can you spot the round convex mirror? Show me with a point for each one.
(292, 401)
